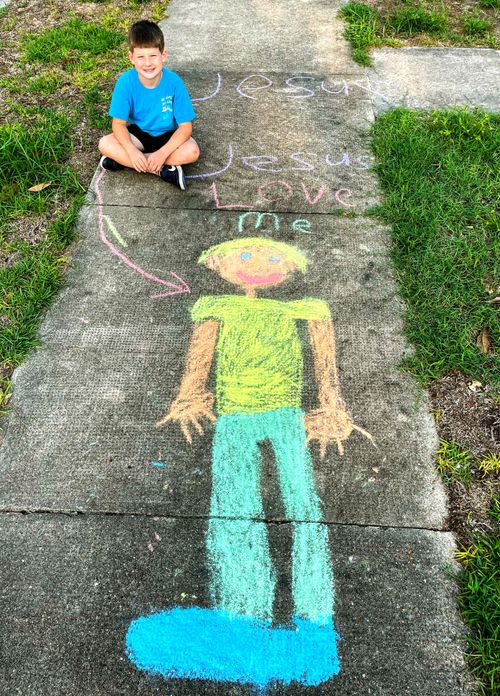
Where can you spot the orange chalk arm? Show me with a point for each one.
(199, 358)
(331, 423)
(322, 337)
(194, 402)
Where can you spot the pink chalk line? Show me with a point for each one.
(177, 289)
(343, 192)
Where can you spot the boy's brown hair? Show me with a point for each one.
(145, 34)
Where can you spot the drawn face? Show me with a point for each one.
(148, 62)
(252, 268)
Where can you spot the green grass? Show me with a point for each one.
(96, 102)
(361, 29)
(414, 19)
(71, 42)
(476, 26)
(495, 508)
(453, 462)
(439, 175)
(490, 466)
(33, 153)
(479, 601)
(45, 84)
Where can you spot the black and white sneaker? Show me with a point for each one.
(111, 165)
(174, 175)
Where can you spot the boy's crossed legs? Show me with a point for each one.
(116, 156)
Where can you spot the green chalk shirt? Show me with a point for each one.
(259, 357)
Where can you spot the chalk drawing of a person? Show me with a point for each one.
(258, 395)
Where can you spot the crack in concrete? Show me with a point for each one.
(160, 516)
(337, 213)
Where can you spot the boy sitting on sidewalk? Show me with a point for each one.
(152, 113)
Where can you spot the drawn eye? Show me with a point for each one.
(246, 256)
(274, 259)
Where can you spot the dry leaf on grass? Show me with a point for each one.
(483, 341)
(39, 187)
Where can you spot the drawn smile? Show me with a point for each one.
(260, 280)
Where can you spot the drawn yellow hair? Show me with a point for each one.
(288, 252)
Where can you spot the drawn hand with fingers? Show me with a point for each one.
(331, 425)
(189, 412)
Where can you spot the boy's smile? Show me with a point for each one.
(149, 63)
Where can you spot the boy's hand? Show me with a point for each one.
(138, 160)
(156, 160)
(188, 412)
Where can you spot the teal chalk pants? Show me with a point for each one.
(243, 578)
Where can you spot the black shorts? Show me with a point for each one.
(151, 143)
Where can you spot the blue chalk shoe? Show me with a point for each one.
(213, 644)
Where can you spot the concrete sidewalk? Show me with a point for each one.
(117, 509)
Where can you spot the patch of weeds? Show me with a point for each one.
(490, 466)
(12, 85)
(454, 462)
(34, 153)
(159, 10)
(6, 390)
(479, 601)
(67, 42)
(393, 43)
(96, 101)
(361, 29)
(462, 125)
(495, 4)
(495, 508)
(31, 151)
(8, 23)
(27, 288)
(45, 84)
(113, 19)
(476, 26)
(29, 284)
(415, 19)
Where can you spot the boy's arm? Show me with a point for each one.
(157, 159)
(137, 158)
(194, 402)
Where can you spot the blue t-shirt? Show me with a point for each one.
(154, 110)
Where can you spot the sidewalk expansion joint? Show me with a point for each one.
(159, 516)
(338, 212)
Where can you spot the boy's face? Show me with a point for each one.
(252, 268)
(148, 62)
